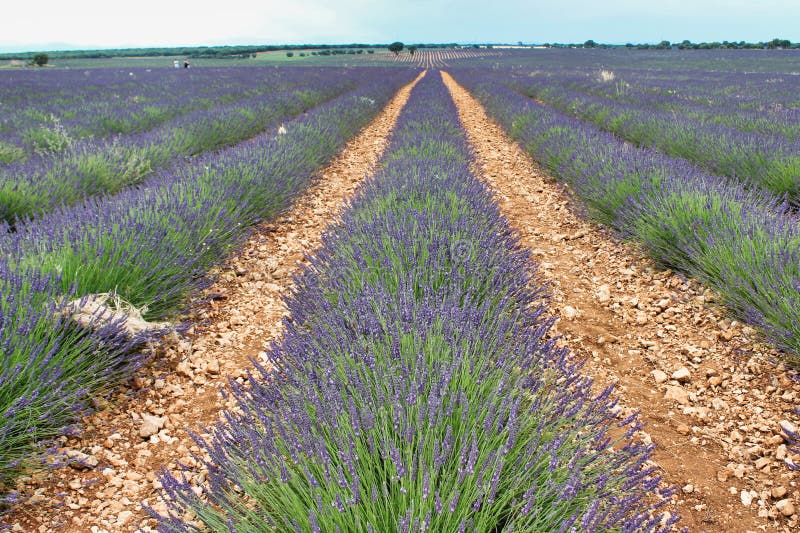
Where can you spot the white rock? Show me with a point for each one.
(82, 459)
(678, 394)
(786, 507)
(213, 366)
(184, 369)
(779, 491)
(569, 312)
(781, 452)
(603, 294)
(98, 310)
(746, 498)
(786, 429)
(150, 425)
(659, 376)
(123, 517)
(681, 375)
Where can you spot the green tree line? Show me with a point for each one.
(686, 44)
(200, 51)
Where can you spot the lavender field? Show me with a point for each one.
(414, 388)
(150, 246)
(68, 163)
(738, 239)
(436, 367)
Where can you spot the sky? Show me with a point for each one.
(91, 24)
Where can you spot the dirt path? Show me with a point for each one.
(711, 400)
(129, 442)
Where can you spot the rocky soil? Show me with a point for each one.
(714, 401)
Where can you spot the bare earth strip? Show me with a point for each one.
(711, 400)
(130, 441)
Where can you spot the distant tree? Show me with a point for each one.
(370, 51)
(589, 44)
(289, 54)
(412, 49)
(663, 45)
(779, 43)
(396, 47)
(40, 59)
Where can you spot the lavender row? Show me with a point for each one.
(769, 100)
(724, 62)
(100, 167)
(743, 243)
(760, 96)
(415, 388)
(768, 160)
(43, 111)
(747, 102)
(150, 248)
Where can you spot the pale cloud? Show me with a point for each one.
(96, 23)
(172, 23)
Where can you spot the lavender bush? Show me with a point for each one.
(151, 246)
(415, 389)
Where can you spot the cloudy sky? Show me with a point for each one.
(60, 24)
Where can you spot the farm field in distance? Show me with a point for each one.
(464, 289)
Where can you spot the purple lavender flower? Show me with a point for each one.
(441, 362)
